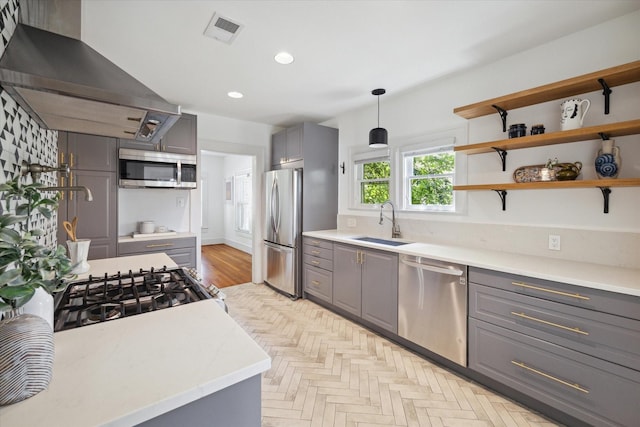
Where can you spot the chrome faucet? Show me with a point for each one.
(395, 228)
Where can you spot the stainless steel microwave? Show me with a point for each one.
(156, 169)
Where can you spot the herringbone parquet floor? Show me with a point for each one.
(328, 371)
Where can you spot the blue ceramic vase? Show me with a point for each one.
(608, 160)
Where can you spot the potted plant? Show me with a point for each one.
(26, 266)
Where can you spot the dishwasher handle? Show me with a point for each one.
(434, 268)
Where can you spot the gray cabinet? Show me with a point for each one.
(181, 138)
(287, 145)
(575, 349)
(347, 273)
(318, 268)
(182, 250)
(92, 160)
(366, 284)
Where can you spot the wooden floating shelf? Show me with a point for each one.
(615, 76)
(547, 185)
(562, 137)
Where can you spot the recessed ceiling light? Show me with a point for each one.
(284, 58)
(235, 95)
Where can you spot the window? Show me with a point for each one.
(372, 173)
(428, 177)
(242, 195)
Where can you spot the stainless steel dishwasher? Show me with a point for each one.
(432, 306)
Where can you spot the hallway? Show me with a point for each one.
(224, 266)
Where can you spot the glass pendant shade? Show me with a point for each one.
(377, 138)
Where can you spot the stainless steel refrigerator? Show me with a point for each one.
(283, 225)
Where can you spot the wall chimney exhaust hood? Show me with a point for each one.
(66, 85)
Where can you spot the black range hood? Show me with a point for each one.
(66, 85)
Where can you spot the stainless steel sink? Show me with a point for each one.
(381, 241)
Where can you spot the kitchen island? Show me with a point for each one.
(190, 361)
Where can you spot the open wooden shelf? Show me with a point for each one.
(630, 127)
(549, 185)
(615, 76)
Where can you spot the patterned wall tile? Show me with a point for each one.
(21, 138)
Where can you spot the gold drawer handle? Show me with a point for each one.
(315, 282)
(315, 242)
(315, 262)
(551, 377)
(160, 245)
(315, 252)
(535, 319)
(552, 291)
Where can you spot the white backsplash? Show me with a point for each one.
(165, 207)
(620, 249)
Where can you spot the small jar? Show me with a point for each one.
(537, 129)
(517, 130)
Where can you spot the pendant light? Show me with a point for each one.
(378, 136)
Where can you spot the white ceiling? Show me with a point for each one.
(342, 49)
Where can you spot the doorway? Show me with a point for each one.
(227, 213)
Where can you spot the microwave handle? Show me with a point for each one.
(179, 172)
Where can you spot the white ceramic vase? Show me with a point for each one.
(40, 304)
(78, 252)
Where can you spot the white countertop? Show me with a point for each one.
(154, 236)
(126, 371)
(607, 278)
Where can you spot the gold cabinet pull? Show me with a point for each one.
(535, 319)
(314, 262)
(61, 157)
(315, 282)
(358, 257)
(362, 257)
(551, 291)
(551, 377)
(62, 185)
(71, 160)
(70, 185)
(315, 252)
(315, 242)
(159, 245)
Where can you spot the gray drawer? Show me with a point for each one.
(155, 245)
(318, 251)
(318, 243)
(613, 338)
(314, 261)
(597, 392)
(594, 299)
(319, 283)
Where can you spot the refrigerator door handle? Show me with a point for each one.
(276, 189)
(272, 208)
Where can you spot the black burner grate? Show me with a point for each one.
(98, 299)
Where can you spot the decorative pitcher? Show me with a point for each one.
(78, 252)
(573, 112)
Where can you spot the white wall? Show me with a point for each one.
(575, 213)
(212, 174)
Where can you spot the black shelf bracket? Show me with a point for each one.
(342, 167)
(606, 91)
(603, 135)
(503, 198)
(606, 191)
(503, 115)
(503, 156)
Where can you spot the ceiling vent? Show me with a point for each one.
(223, 29)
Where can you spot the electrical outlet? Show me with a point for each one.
(554, 242)
(351, 222)
(180, 202)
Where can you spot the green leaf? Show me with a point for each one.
(16, 292)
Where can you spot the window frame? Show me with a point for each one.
(405, 157)
(357, 162)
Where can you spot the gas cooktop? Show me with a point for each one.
(109, 297)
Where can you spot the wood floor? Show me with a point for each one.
(224, 266)
(328, 371)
